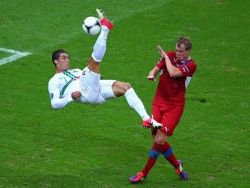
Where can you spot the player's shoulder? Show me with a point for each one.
(192, 62)
(54, 78)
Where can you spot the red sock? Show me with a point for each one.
(153, 155)
(169, 155)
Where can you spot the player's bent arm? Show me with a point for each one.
(55, 99)
(173, 71)
(153, 73)
(58, 103)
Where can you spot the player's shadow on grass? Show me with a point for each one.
(198, 99)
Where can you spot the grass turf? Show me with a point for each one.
(100, 146)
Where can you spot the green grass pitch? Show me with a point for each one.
(100, 146)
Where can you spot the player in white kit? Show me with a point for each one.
(85, 86)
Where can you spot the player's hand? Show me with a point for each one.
(76, 95)
(150, 77)
(161, 51)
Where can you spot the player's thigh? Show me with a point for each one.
(89, 81)
(106, 89)
(90, 86)
(157, 112)
(171, 118)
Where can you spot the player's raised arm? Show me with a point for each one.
(173, 71)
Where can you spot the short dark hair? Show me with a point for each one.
(185, 41)
(56, 55)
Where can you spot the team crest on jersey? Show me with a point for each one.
(51, 95)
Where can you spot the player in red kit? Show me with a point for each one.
(176, 69)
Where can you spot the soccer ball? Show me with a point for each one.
(91, 25)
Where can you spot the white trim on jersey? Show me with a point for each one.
(187, 81)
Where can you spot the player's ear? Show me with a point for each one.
(56, 61)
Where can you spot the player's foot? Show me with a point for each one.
(137, 178)
(103, 20)
(147, 123)
(151, 123)
(100, 13)
(182, 174)
(156, 124)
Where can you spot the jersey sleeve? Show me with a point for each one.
(54, 93)
(161, 64)
(188, 69)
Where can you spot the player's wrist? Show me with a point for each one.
(151, 77)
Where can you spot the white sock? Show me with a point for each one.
(100, 45)
(135, 102)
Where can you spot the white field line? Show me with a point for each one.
(16, 55)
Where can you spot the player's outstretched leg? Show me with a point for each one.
(101, 42)
(122, 88)
(133, 100)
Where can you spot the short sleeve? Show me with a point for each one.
(188, 69)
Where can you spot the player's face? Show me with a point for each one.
(62, 62)
(181, 52)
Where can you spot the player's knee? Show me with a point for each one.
(126, 86)
(120, 88)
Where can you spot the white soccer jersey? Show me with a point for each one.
(93, 90)
(61, 85)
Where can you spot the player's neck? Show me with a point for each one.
(59, 71)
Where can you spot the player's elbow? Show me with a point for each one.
(175, 74)
(55, 105)
(171, 75)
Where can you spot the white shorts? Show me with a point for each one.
(94, 90)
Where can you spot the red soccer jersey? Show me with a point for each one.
(173, 89)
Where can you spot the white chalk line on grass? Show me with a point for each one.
(15, 55)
